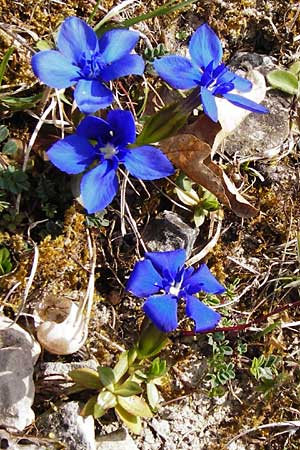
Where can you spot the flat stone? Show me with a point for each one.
(67, 426)
(260, 135)
(169, 232)
(18, 354)
(118, 440)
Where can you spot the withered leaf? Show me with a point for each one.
(193, 156)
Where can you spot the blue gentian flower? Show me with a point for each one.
(90, 62)
(100, 146)
(163, 280)
(206, 71)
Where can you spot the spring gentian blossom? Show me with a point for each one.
(88, 62)
(163, 280)
(97, 148)
(206, 71)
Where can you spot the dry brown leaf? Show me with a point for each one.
(193, 157)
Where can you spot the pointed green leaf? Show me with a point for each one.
(152, 395)
(121, 367)
(106, 375)
(131, 421)
(135, 405)
(283, 80)
(86, 377)
(165, 123)
(88, 409)
(4, 63)
(128, 388)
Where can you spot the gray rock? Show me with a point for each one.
(10, 442)
(168, 232)
(259, 135)
(59, 371)
(18, 354)
(117, 440)
(67, 426)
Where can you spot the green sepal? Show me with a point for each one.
(88, 378)
(165, 123)
(128, 388)
(284, 80)
(135, 405)
(130, 420)
(151, 341)
(158, 368)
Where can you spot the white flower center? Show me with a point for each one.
(174, 290)
(108, 151)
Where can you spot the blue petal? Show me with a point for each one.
(117, 43)
(209, 104)
(245, 103)
(242, 84)
(202, 280)
(223, 88)
(98, 187)
(123, 127)
(53, 69)
(72, 154)
(144, 280)
(167, 262)
(92, 127)
(128, 65)
(91, 95)
(205, 318)
(205, 47)
(162, 311)
(178, 71)
(147, 163)
(76, 38)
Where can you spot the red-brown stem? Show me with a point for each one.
(244, 326)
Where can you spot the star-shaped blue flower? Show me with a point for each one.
(97, 148)
(206, 71)
(90, 62)
(163, 280)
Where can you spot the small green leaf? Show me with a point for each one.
(128, 388)
(106, 375)
(135, 405)
(88, 409)
(158, 368)
(10, 147)
(43, 45)
(3, 133)
(284, 81)
(295, 68)
(121, 367)
(105, 401)
(86, 377)
(5, 261)
(152, 395)
(131, 421)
